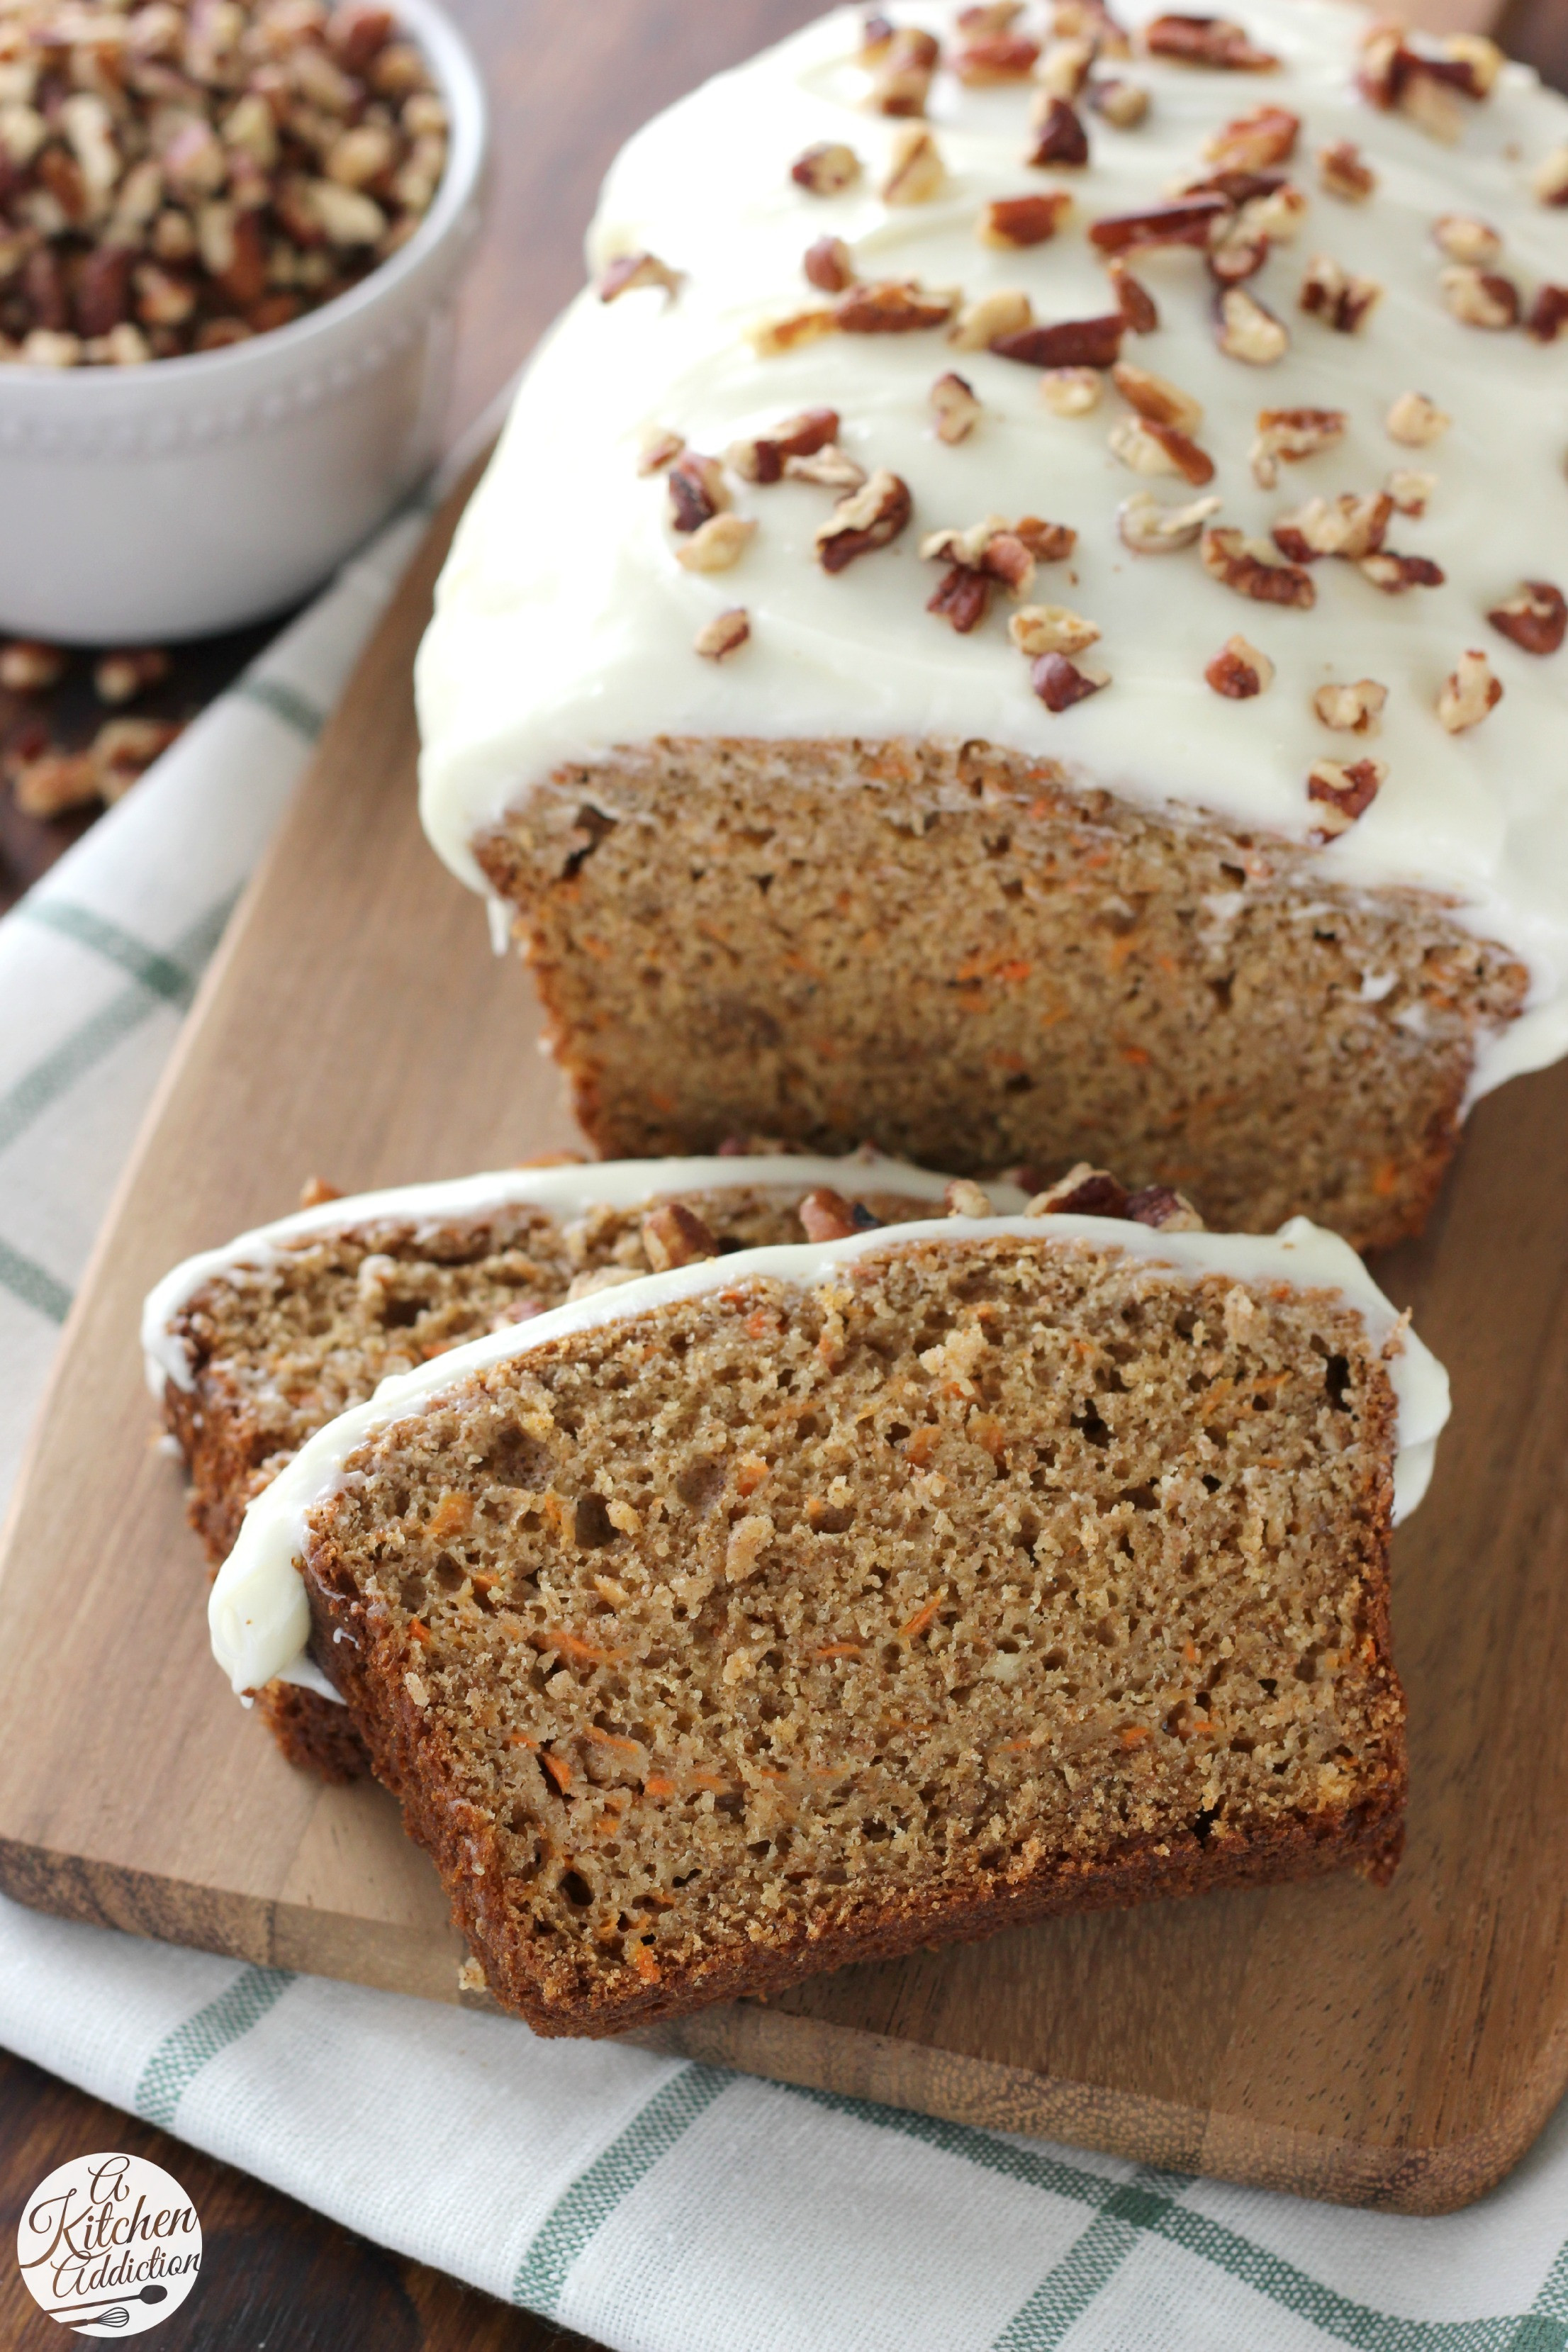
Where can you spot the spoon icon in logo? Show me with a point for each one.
(112, 2314)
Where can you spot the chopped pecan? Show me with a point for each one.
(1426, 84)
(1463, 238)
(1535, 616)
(917, 174)
(715, 544)
(1550, 179)
(962, 598)
(1244, 329)
(764, 459)
(1213, 41)
(830, 469)
(1124, 104)
(1479, 298)
(1393, 574)
(1415, 421)
(988, 16)
(996, 58)
(1064, 68)
(1239, 671)
(1043, 629)
(1003, 312)
(1133, 299)
(1343, 792)
(1410, 490)
(1058, 135)
(904, 65)
(1059, 683)
(660, 448)
(1156, 397)
(1089, 20)
(1188, 221)
(1069, 390)
(724, 634)
(828, 1216)
(964, 1199)
(121, 676)
(1287, 435)
(697, 491)
(1150, 448)
(877, 33)
(1149, 529)
(55, 782)
(867, 518)
(673, 1234)
(635, 269)
(1344, 171)
(829, 264)
(891, 307)
(1000, 550)
(1267, 135)
(1023, 220)
(1352, 710)
(775, 335)
(1251, 568)
(1347, 525)
(1468, 693)
(1069, 342)
(1547, 314)
(1047, 542)
(1167, 1212)
(29, 667)
(1083, 1192)
(825, 169)
(1337, 295)
(1234, 258)
(956, 409)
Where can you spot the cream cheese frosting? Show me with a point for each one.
(564, 625)
(258, 1615)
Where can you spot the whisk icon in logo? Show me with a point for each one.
(109, 2245)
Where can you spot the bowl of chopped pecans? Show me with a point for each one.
(231, 233)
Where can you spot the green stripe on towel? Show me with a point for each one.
(181, 2055)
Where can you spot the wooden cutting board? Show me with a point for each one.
(1399, 2048)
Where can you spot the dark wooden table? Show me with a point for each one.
(567, 85)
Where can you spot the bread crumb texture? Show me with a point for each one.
(779, 1627)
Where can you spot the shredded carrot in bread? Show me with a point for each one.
(658, 1785)
(838, 1650)
(559, 1770)
(921, 1618)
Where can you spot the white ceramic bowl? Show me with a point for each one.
(189, 495)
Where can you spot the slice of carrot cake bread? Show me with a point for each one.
(804, 1607)
(1022, 614)
(252, 1347)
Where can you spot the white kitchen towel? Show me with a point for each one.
(655, 2205)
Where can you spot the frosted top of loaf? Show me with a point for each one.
(257, 1613)
(564, 623)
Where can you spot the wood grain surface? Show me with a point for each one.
(565, 86)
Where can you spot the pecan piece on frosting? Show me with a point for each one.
(1287, 435)
(1267, 135)
(917, 174)
(1337, 295)
(659, 447)
(1156, 397)
(715, 544)
(1252, 568)
(828, 1216)
(902, 69)
(1415, 422)
(1427, 84)
(1124, 104)
(1353, 709)
(724, 634)
(1342, 791)
(1349, 526)
(1393, 574)
(1133, 299)
(1083, 1192)
(1002, 313)
(1058, 135)
(772, 336)
(1213, 41)
(1550, 179)
(955, 407)
(962, 599)
(1410, 490)
(673, 1234)
(1464, 238)
(697, 491)
(635, 269)
(1479, 298)
(984, 17)
(1548, 315)
(829, 264)
(825, 169)
(1018, 221)
(829, 469)
(867, 518)
(1239, 671)
(1190, 220)
(992, 58)
(1147, 527)
(1059, 683)
(764, 459)
(1535, 616)
(1068, 342)
(1064, 68)
(1001, 551)
(1043, 629)
(1070, 392)
(1150, 448)
(892, 307)
(1247, 330)
(1468, 693)
(1344, 171)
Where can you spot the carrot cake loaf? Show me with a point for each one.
(253, 1347)
(1022, 611)
(813, 1603)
